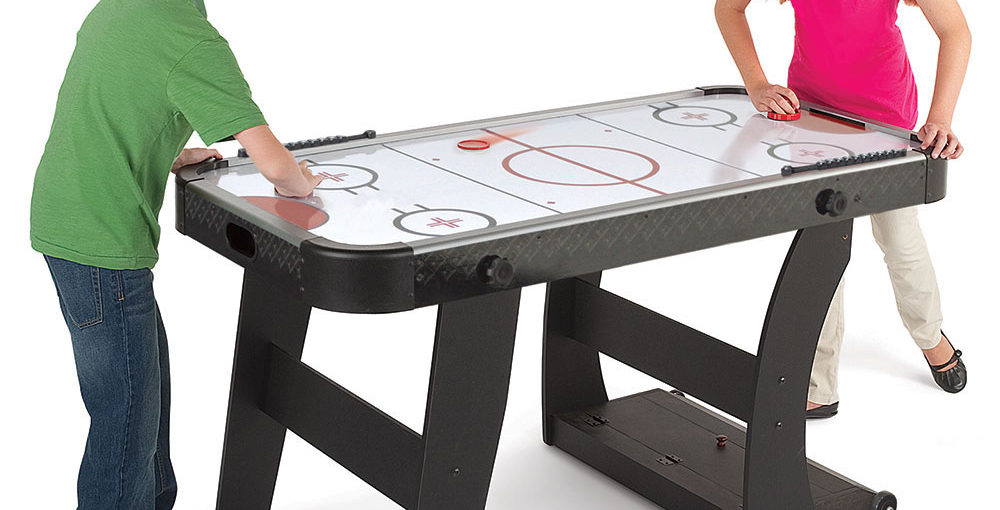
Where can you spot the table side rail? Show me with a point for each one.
(388, 278)
(573, 110)
(619, 238)
(459, 127)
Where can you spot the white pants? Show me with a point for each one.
(914, 283)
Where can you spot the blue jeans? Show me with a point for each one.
(120, 348)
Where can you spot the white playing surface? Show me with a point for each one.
(420, 188)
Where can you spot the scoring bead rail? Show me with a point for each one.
(845, 161)
(319, 142)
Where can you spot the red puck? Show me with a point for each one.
(474, 145)
(784, 116)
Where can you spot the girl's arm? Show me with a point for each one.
(948, 22)
(732, 20)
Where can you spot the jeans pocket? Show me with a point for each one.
(79, 289)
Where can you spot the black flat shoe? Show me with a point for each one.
(822, 412)
(952, 380)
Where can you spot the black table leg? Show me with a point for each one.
(448, 467)
(775, 473)
(467, 399)
(571, 371)
(253, 443)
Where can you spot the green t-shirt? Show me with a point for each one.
(145, 74)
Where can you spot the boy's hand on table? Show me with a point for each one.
(315, 180)
(193, 157)
(289, 177)
(767, 97)
(942, 139)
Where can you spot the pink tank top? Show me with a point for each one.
(849, 54)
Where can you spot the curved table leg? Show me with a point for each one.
(571, 371)
(775, 472)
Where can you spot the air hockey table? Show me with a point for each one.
(463, 216)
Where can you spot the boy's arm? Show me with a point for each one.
(732, 20)
(948, 22)
(290, 179)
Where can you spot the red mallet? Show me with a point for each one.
(784, 116)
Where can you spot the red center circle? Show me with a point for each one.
(653, 164)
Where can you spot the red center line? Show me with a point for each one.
(577, 163)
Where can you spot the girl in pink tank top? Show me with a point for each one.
(849, 54)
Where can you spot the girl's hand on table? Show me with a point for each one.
(942, 139)
(773, 98)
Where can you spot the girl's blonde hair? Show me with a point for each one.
(907, 2)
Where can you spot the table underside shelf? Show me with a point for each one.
(664, 447)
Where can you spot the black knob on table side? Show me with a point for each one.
(832, 203)
(496, 271)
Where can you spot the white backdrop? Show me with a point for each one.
(320, 68)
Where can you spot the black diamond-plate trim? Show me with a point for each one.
(547, 254)
(327, 275)
(594, 246)
(207, 222)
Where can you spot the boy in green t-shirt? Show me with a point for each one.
(145, 74)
